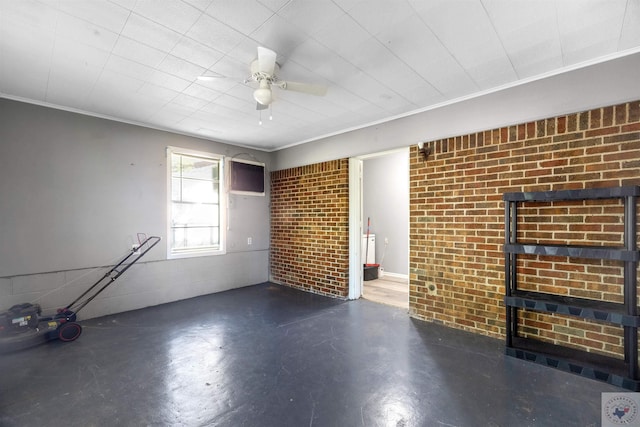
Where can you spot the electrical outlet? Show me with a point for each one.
(386, 240)
(249, 241)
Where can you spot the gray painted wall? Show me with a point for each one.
(385, 198)
(75, 190)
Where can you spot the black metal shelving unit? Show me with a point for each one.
(622, 373)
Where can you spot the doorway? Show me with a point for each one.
(379, 227)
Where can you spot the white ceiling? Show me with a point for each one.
(138, 60)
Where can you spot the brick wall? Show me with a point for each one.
(310, 228)
(457, 221)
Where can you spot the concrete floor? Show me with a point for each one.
(267, 355)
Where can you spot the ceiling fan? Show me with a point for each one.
(264, 71)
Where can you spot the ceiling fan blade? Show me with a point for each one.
(311, 89)
(261, 107)
(211, 75)
(266, 60)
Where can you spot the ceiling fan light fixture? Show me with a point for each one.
(263, 94)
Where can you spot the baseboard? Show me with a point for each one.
(395, 276)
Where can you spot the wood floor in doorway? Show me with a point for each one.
(387, 290)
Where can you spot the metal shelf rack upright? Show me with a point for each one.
(622, 373)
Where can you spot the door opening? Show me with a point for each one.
(379, 192)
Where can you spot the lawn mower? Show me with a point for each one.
(23, 325)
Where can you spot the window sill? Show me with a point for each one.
(195, 253)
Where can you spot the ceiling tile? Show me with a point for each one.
(128, 67)
(235, 71)
(346, 99)
(168, 81)
(277, 34)
(201, 92)
(64, 89)
(77, 59)
(579, 41)
(138, 108)
(147, 32)
(342, 35)
(188, 102)
(531, 60)
(319, 60)
(215, 34)
(243, 105)
(158, 92)
(175, 15)
(366, 87)
(414, 43)
(169, 116)
(310, 16)
(243, 15)
(220, 85)
(24, 77)
(293, 72)
(138, 52)
(32, 43)
(243, 91)
(29, 14)
(127, 4)
(101, 13)
(630, 36)
(387, 67)
(178, 109)
(90, 34)
(245, 52)
(201, 5)
(180, 68)
(492, 72)
(274, 5)
(478, 50)
(116, 83)
(377, 15)
(532, 42)
(111, 92)
(196, 52)
(215, 112)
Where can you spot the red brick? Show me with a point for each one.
(460, 248)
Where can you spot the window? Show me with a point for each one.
(196, 203)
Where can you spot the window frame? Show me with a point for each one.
(222, 204)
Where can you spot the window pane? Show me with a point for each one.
(204, 215)
(194, 167)
(199, 191)
(194, 238)
(189, 214)
(176, 193)
(202, 236)
(178, 238)
(175, 164)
